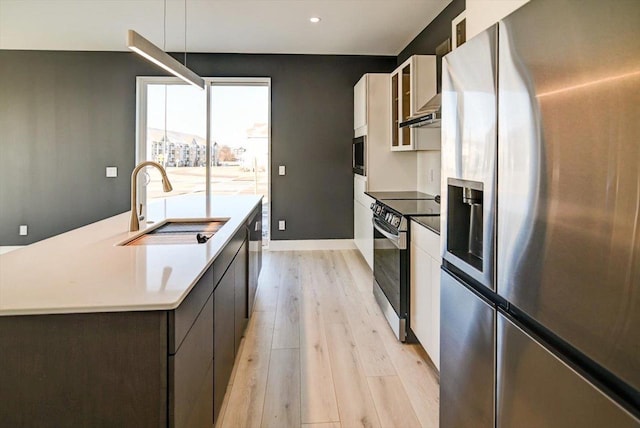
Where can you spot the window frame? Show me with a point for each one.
(142, 83)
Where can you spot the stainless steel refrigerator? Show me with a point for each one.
(541, 237)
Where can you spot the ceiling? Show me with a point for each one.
(352, 27)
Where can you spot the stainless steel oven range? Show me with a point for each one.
(390, 267)
(391, 259)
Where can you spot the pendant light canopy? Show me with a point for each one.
(151, 52)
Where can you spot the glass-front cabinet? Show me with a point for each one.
(413, 83)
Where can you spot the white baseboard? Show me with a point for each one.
(5, 248)
(312, 244)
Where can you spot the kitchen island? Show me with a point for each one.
(94, 333)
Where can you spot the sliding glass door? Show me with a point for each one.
(239, 118)
(174, 135)
(232, 158)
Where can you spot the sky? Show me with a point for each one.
(234, 110)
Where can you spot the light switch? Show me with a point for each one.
(281, 225)
(112, 171)
(281, 170)
(23, 230)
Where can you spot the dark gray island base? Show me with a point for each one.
(138, 369)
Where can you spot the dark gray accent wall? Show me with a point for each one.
(435, 33)
(432, 36)
(65, 116)
(312, 129)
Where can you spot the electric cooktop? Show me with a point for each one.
(413, 207)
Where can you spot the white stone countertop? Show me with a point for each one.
(84, 270)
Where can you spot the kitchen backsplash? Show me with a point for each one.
(428, 181)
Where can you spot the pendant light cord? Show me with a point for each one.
(185, 33)
(165, 144)
(164, 34)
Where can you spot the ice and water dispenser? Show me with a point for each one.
(464, 221)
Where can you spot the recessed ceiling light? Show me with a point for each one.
(314, 19)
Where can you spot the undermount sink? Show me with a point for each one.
(179, 232)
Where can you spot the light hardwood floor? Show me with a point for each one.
(318, 353)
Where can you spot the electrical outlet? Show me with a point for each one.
(281, 225)
(23, 230)
(431, 174)
(282, 170)
(112, 171)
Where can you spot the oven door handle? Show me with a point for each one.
(399, 240)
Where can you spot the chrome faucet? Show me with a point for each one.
(134, 224)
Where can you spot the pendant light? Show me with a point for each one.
(151, 52)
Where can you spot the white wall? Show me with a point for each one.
(428, 181)
(481, 14)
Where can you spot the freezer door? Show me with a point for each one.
(467, 364)
(569, 174)
(469, 156)
(536, 389)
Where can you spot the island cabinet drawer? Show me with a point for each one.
(182, 318)
(224, 259)
(190, 375)
(241, 298)
(223, 337)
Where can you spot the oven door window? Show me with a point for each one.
(386, 268)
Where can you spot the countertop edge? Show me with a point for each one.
(418, 220)
(209, 263)
(116, 306)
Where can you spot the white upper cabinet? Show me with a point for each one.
(385, 169)
(413, 83)
(360, 107)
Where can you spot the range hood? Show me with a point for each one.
(427, 116)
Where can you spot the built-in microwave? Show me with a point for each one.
(359, 155)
